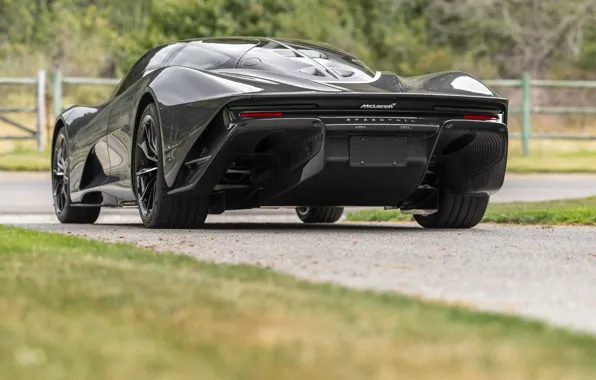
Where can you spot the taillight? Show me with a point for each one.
(480, 117)
(261, 114)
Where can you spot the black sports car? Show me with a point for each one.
(210, 125)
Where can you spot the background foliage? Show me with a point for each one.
(488, 38)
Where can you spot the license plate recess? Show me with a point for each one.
(378, 151)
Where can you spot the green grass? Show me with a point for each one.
(553, 156)
(74, 309)
(580, 161)
(25, 160)
(572, 211)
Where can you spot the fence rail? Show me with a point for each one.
(39, 132)
(525, 83)
(527, 110)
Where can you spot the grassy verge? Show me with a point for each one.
(73, 308)
(571, 211)
(25, 160)
(553, 156)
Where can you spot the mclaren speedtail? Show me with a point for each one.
(209, 125)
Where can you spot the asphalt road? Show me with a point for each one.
(547, 273)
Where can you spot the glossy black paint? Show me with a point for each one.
(197, 84)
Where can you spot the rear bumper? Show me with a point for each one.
(322, 164)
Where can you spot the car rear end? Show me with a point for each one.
(352, 149)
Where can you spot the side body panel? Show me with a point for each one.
(86, 129)
(119, 139)
(188, 100)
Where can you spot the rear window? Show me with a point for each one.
(199, 57)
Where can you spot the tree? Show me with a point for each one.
(519, 35)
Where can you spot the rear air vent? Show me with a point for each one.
(311, 71)
(313, 54)
(343, 73)
(285, 52)
(251, 61)
(459, 143)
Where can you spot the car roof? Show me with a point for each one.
(285, 55)
(243, 44)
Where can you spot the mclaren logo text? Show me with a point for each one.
(379, 106)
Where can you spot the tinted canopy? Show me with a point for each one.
(299, 58)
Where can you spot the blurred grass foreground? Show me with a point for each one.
(80, 309)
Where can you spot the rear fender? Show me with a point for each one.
(74, 119)
(80, 139)
(449, 82)
(187, 101)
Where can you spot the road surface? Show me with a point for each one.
(542, 272)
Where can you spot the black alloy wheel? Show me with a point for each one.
(157, 208)
(60, 175)
(65, 211)
(146, 166)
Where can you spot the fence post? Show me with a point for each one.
(41, 102)
(526, 113)
(57, 92)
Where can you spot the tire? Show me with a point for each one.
(319, 214)
(156, 208)
(456, 211)
(65, 211)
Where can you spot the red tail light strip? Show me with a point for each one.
(480, 117)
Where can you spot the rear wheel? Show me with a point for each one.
(156, 207)
(456, 211)
(319, 214)
(63, 207)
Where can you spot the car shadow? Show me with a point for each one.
(300, 227)
(306, 227)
